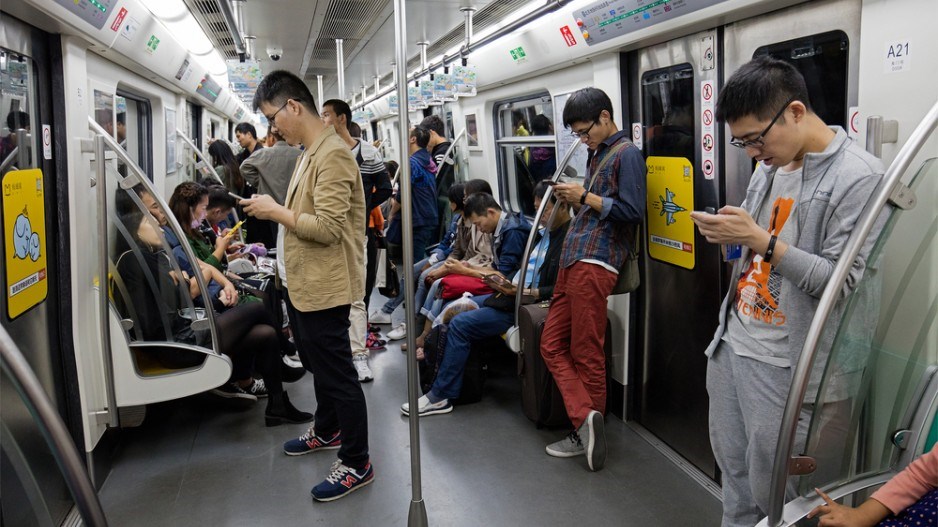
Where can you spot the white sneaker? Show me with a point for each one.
(361, 366)
(593, 433)
(398, 332)
(425, 407)
(379, 317)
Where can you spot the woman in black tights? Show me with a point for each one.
(244, 332)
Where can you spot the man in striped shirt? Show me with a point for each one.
(610, 207)
(377, 187)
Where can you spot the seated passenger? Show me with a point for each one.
(471, 246)
(243, 333)
(511, 237)
(437, 257)
(189, 204)
(908, 499)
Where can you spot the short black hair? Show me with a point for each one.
(456, 194)
(392, 167)
(478, 204)
(122, 118)
(422, 134)
(759, 88)
(246, 128)
(17, 119)
(354, 129)
(218, 197)
(340, 107)
(586, 105)
(279, 86)
(434, 124)
(540, 125)
(541, 188)
(477, 185)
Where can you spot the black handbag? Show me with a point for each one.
(392, 281)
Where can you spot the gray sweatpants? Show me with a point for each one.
(747, 399)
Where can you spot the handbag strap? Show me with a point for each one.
(608, 156)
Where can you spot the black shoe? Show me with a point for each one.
(280, 411)
(291, 373)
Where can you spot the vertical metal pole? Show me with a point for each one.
(22, 155)
(417, 515)
(340, 66)
(467, 12)
(103, 302)
(363, 95)
(319, 80)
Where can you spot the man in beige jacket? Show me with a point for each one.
(323, 220)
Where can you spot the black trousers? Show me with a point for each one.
(321, 337)
(371, 269)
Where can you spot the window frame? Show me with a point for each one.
(508, 189)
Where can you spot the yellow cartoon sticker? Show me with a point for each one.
(24, 238)
(670, 200)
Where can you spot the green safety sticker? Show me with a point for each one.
(152, 43)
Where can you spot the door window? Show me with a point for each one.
(133, 130)
(668, 112)
(18, 111)
(822, 60)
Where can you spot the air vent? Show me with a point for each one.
(206, 13)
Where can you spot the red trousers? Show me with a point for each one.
(573, 338)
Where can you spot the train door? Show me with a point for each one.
(673, 86)
(822, 40)
(33, 490)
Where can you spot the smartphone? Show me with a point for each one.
(551, 183)
(234, 229)
(235, 196)
(498, 280)
(710, 210)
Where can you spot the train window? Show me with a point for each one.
(527, 148)
(668, 111)
(822, 60)
(134, 130)
(17, 109)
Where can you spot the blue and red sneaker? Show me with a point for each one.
(342, 481)
(310, 442)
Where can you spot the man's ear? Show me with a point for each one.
(798, 110)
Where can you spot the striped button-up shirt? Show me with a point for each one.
(600, 236)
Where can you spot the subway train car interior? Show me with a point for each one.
(157, 153)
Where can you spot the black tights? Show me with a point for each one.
(246, 335)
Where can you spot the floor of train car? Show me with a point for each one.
(199, 461)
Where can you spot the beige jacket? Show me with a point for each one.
(325, 253)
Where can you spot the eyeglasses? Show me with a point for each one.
(273, 118)
(759, 142)
(584, 134)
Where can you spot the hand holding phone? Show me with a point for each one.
(500, 283)
(233, 230)
(237, 197)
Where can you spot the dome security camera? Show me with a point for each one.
(275, 53)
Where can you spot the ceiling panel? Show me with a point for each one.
(306, 31)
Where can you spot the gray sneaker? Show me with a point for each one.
(593, 432)
(569, 446)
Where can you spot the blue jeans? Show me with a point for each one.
(433, 304)
(463, 329)
(421, 239)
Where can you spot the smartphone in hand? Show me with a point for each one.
(237, 197)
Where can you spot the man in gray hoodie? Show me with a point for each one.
(809, 189)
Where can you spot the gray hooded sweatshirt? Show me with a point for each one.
(837, 184)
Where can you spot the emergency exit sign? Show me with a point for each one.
(517, 53)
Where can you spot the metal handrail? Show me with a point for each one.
(451, 149)
(786, 436)
(138, 176)
(53, 430)
(9, 159)
(199, 154)
(529, 246)
(104, 324)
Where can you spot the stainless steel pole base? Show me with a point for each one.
(417, 517)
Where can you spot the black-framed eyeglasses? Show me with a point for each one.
(759, 142)
(273, 118)
(584, 134)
